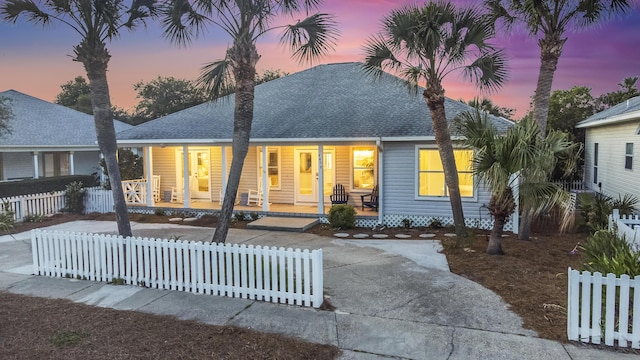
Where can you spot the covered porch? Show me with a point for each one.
(289, 180)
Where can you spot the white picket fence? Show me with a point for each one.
(259, 273)
(626, 226)
(571, 185)
(592, 297)
(97, 200)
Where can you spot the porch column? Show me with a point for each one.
(72, 169)
(146, 158)
(36, 172)
(265, 181)
(320, 179)
(224, 172)
(185, 174)
(102, 179)
(380, 182)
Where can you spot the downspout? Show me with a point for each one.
(147, 174)
(380, 147)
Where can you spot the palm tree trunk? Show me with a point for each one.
(244, 57)
(495, 240)
(524, 231)
(95, 60)
(550, 51)
(434, 96)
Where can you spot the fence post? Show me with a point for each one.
(318, 290)
(573, 304)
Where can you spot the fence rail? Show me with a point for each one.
(592, 297)
(259, 273)
(626, 226)
(571, 185)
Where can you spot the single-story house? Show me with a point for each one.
(328, 125)
(48, 140)
(612, 141)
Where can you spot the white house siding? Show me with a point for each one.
(17, 165)
(612, 139)
(399, 191)
(164, 164)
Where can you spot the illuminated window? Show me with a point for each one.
(363, 162)
(273, 166)
(431, 174)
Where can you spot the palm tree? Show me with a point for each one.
(519, 157)
(96, 22)
(245, 22)
(424, 44)
(551, 20)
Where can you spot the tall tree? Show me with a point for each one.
(96, 22)
(485, 104)
(245, 22)
(6, 114)
(501, 159)
(550, 21)
(76, 94)
(424, 44)
(165, 95)
(628, 89)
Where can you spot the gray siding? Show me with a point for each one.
(399, 187)
(86, 162)
(17, 165)
(612, 139)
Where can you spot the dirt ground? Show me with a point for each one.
(531, 277)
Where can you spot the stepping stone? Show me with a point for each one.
(427, 235)
(175, 219)
(341, 235)
(380, 236)
(360, 236)
(191, 219)
(450, 235)
(403, 236)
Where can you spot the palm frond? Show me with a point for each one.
(215, 79)
(312, 37)
(12, 9)
(181, 21)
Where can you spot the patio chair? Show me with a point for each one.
(155, 187)
(339, 195)
(177, 195)
(372, 201)
(254, 197)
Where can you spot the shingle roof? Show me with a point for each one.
(324, 102)
(613, 114)
(38, 123)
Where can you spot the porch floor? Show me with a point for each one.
(274, 209)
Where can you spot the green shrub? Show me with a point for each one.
(435, 223)
(33, 218)
(7, 219)
(158, 212)
(607, 253)
(240, 216)
(74, 198)
(342, 216)
(254, 216)
(407, 223)
(42, 185)
(131, 166)
(595, 210)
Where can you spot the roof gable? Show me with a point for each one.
(334, 101)
(37, 123)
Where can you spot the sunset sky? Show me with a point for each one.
(36, 61)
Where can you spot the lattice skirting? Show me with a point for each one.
(391, 220)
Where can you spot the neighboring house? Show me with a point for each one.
(327, 125)
(612, 149)
(48, 140)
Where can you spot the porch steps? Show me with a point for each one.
(282, 224)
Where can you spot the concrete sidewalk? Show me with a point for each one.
(394, 299)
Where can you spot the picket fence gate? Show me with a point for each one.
(259, 273)
(592, 297)
(626, 226)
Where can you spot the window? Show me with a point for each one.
(56, 164)
(273, 167)
(628, 156)
(363, 171)
(595, 163)
(431, 174)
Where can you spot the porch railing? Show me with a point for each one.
(135, 191)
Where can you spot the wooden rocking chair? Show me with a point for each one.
(372, 202)
(339, 195)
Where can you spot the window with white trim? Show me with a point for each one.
(363, 168)
(628, 156)
(273, 166)
(595, 163)
(431, 173)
